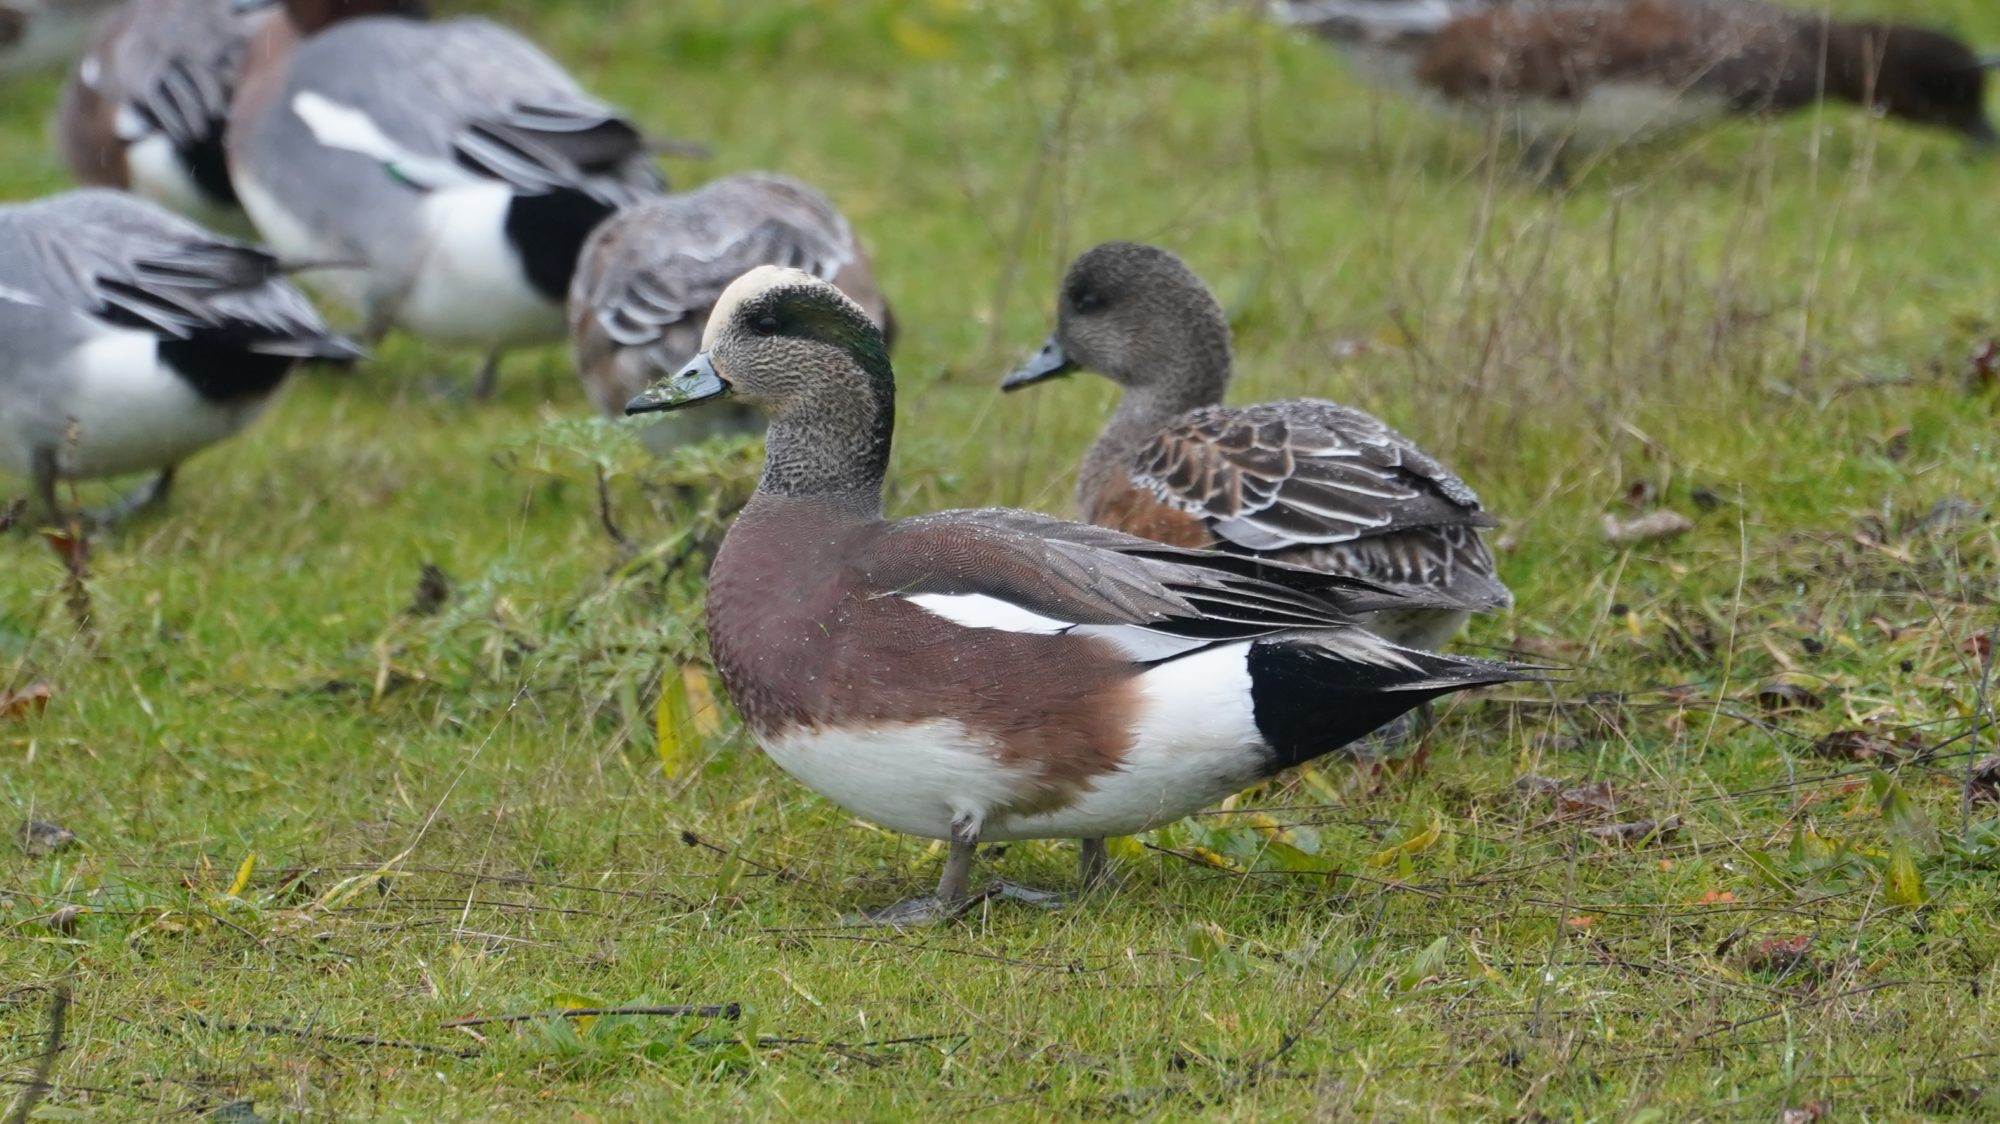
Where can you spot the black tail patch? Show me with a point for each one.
(548, 230)
(1311, 699)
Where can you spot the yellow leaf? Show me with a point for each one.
(1125, 847)
(1414, 845)
(687, 714)
(920, 40)
(243, 872)
(1267, 824)
(1904, 886)
(702, 710)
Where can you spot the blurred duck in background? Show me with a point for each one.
(135, 339)
(38, 33)
(450, 171)
(651, 275)
(1601, 73)
(146, 107)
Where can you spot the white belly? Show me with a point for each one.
(1195, 742)
(1613, 114)
(295, 241)
(158, 174)
(469, 286)
(120, 411)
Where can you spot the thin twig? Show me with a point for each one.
(323, 1036)
(604, 515)
(38, 1086)
(673, 1010)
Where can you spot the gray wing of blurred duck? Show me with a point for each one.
(375, 107)
(146, 108)
(651, 273)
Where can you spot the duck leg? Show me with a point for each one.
(42, 475)
(1543, 162)
(951, 898)
(141, 499)
(1093, 865)
(488, 378)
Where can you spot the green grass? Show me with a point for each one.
(1766, 328)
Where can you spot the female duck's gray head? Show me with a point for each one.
(1135, 314)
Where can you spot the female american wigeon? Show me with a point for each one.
(1303, 480)
(454, 164)
(996, 674)
(36, 33)
(651, 273)
(1601, 73)
(135, 339)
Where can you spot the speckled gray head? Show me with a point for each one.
(784, 340)
(1132, 313)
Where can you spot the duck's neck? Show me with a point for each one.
(835, 454)
(1189, 372)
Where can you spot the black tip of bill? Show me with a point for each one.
(1048, 363)
(697, 382)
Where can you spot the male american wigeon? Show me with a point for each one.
(131, 339)
(1601, 73)
(36, 33)
(651, 273)
(458, 167)
(995, 674)
(1302, 480)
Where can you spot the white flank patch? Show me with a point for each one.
(1195, 741)
(762, 279)
(295, 241)
(977, 610)
(1618, 113)
(132, 413)
(469, 286)
(914, 777)
(158, 174)
(90, 72)
(128, 125)
(16, 296)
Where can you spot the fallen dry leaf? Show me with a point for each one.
(1779, 954)
(38, 838)
(1861, 745)
(1776, 696)
(1982, 367)
(1594, 797)
(31, 699)
(1809, 1113)
(1635, 832)
(1983, 786)
(434, 590)
(1655, 527)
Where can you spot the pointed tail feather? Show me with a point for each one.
(1317, 695)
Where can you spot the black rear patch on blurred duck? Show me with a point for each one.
(548, 231)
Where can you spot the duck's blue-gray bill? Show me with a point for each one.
(1047, 363)
(696, 382)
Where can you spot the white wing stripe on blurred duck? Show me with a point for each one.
(350, 130)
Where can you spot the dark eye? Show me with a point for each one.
(1086, 300)
(767, 324)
